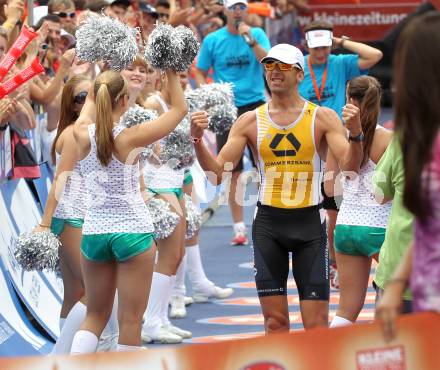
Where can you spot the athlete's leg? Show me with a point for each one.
(100, 287)
(271, 264)
(353, 278)
(276, 314)
(134, 283)
(71, 267)
(310, 270)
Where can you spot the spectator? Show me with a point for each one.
(149, 16)
(163, 10)
(417, 84)
(327, 74)
(65, 9)
(119, 8)
(389, 181)
(234, 52)
(325, 77)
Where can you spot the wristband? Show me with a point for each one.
(196, 140)
(40, 224)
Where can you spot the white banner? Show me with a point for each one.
(41, 292)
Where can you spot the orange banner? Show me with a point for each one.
(359, 347)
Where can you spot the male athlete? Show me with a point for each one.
(289, 137)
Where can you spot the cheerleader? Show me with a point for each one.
(165, 183)
(117, 248)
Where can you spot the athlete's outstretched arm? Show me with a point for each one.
(229, 155)
(347, 153)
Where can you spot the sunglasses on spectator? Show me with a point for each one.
(270, 66)
(241, 7)
(80, 98)
(65, 15)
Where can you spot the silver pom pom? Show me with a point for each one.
(171, 48)
(218, 100)
(189, 48)
(164, 219)
(177, 149)
(37, 251)
(162, 48)
(193, 217)
(221, 118)
(136, 115)
(101, 38)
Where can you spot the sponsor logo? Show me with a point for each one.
(391, 358)
(295, 145)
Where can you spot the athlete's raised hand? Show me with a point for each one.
(199, 121)
(351, 116)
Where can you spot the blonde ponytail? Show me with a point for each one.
(104, 125)
(109, 88)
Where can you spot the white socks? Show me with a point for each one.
(195, 270)
(179, 288)
(239, 227)
(166, 302)
(71, 325)
(84, 342)
(126, 348)
(340, 321)
(62, 321)
(159, 296)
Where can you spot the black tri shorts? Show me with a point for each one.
(278, 231)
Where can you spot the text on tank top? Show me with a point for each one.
(289, 164)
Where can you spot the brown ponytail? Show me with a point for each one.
(367, 92)
(109, 88)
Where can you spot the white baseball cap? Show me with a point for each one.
(229, 3)
(318, 38)
(285, 53)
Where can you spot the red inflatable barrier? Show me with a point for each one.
(358, 347)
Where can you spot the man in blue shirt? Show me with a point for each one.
(234, 52)
(325, 78)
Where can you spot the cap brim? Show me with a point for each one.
(317, 43)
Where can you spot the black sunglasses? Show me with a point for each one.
(80, 98)
(163, 15)
(65, 15)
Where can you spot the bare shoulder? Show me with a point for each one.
(244, 123)
(80, 128)
(328, 119)
(383, 135)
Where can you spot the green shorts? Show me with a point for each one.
(57, 224)
(187, 177)
(115, 246)
(358, 240)
(177, 191)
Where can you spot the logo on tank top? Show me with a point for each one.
(292, 140)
